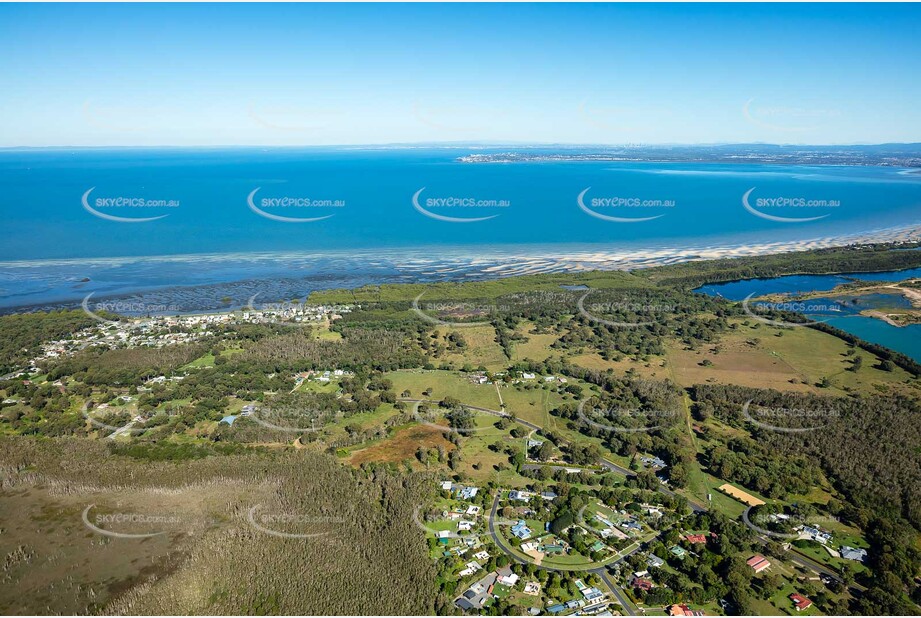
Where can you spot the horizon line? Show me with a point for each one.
(464, 144)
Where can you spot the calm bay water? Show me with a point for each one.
(904, 339)
(236, 217)
(797, 284)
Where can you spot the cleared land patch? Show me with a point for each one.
(402, 445)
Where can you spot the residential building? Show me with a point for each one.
(529, 546)
(643, 584)
(468, 493)
(592, 595)
(471, 568)
(521, 530)
(758, 563)
(851, 553)
(681, 609)
(800, 602)
(816, 534)
(631, 524)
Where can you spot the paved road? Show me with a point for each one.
(556, 466)
(601, 571)
(808, 563)
(629, 608)
(608, 465)
(124, 430)
(794, 556)
(798, 558)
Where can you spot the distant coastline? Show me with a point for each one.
(906, 156)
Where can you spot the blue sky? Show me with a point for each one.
(238, 74)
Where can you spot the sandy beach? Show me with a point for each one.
(199, 282)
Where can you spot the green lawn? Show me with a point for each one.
(700, 484)
(313, 386)
(203, 361)
(444, 384)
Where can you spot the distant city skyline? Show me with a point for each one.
(492, 74)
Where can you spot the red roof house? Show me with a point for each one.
(800, 602)
(758, 563)
(642, 584)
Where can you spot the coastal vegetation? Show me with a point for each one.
(620, 391)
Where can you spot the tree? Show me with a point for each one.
(562, 521)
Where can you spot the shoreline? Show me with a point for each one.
(60, 283)
(913, 296)
(585, 252)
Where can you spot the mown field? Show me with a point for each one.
(363, 459)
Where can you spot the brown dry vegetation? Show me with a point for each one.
(739, 364)
(402, 445)
(210, 559)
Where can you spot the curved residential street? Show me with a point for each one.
(601, 571)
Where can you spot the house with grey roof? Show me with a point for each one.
(852, 553)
